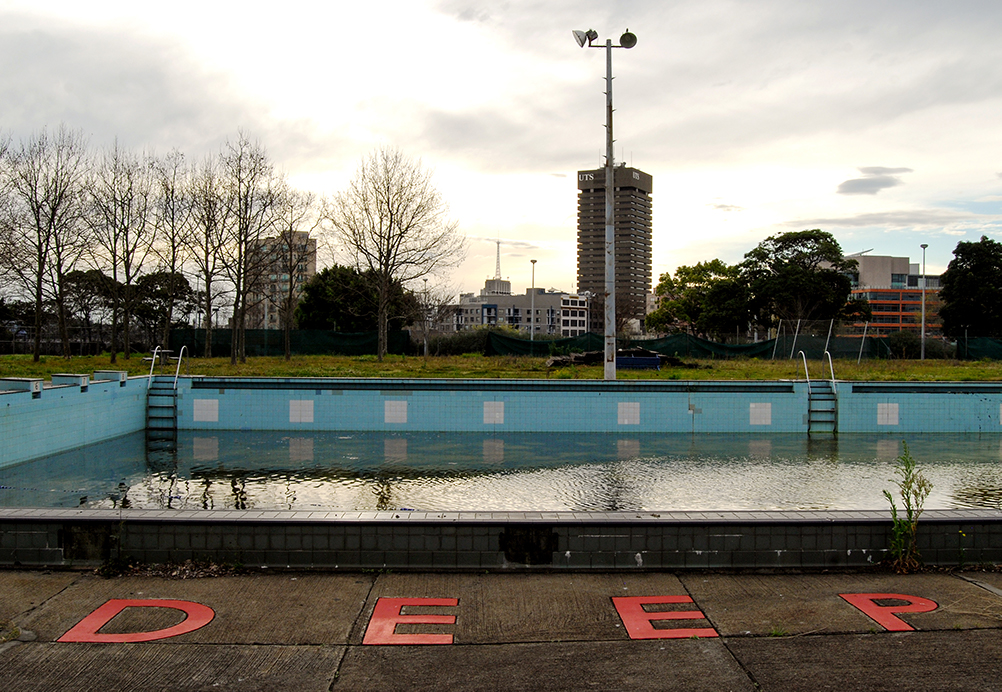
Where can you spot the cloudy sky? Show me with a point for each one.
(876, 121)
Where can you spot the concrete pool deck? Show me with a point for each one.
(553, 631)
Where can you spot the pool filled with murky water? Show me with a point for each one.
(505, 472)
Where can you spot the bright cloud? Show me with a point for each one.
(753, 118)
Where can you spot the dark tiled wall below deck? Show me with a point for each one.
(495, 541)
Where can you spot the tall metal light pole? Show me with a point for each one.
(923, 246)
(532, 306)
(627, 40)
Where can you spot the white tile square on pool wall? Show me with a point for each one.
(301, 411)
(887, 414)
(629, 413)
(206, 410)
(493, 412)
(395, 412)
(760, 414)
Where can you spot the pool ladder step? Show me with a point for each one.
(822, 415)
(161, 415)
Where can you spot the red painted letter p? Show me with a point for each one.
(884, 614)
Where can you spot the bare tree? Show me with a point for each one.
(174, 214)
(42, 215)
(208, 236)
(121, 203)
(392, 221)
(295, 257)
(251, 199)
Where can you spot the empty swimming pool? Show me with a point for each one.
(596, 472)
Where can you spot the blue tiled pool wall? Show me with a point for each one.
(66, 417)
(540, 406)
(502, 405)
(907, 407)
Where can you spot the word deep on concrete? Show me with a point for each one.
(388, 614)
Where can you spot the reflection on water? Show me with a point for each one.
(507, 472)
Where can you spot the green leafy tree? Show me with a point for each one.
(801, 275)
(971, 292)
(346, 300)
(162, 300)
(709, 299)
(89, 296)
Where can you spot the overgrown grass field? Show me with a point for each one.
(475, 366)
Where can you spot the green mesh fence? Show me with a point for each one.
(979, 348)
(688, 346)
(267, 342)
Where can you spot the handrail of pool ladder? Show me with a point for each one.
(153, 362)
(180, 357)
(806, 374)
(831, 369)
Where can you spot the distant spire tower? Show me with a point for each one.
(497, 270)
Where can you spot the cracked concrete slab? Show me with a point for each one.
(22, 591)
(249, 609)
(948, 661)
(152, 667)
(690, 665)
(757, 604)
(503, 608)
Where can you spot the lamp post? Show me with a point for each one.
(627, 40)
(923, 246)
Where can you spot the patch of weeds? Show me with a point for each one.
(778, 632)
(8, 631)
(116, 567)
(913, 489)
(189, 569)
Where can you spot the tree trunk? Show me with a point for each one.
(208, 320)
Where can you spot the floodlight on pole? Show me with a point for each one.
(628, 40)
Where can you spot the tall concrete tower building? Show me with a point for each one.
(633, 242)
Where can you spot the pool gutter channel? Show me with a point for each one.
(495, 541)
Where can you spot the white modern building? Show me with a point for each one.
(543, 311)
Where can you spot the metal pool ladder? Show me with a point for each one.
(161, 409)
(822, 401)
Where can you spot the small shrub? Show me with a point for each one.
(913, 488)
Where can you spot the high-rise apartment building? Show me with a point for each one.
(634, 258)
(280, 265)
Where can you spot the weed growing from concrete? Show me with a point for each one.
(913, 488)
